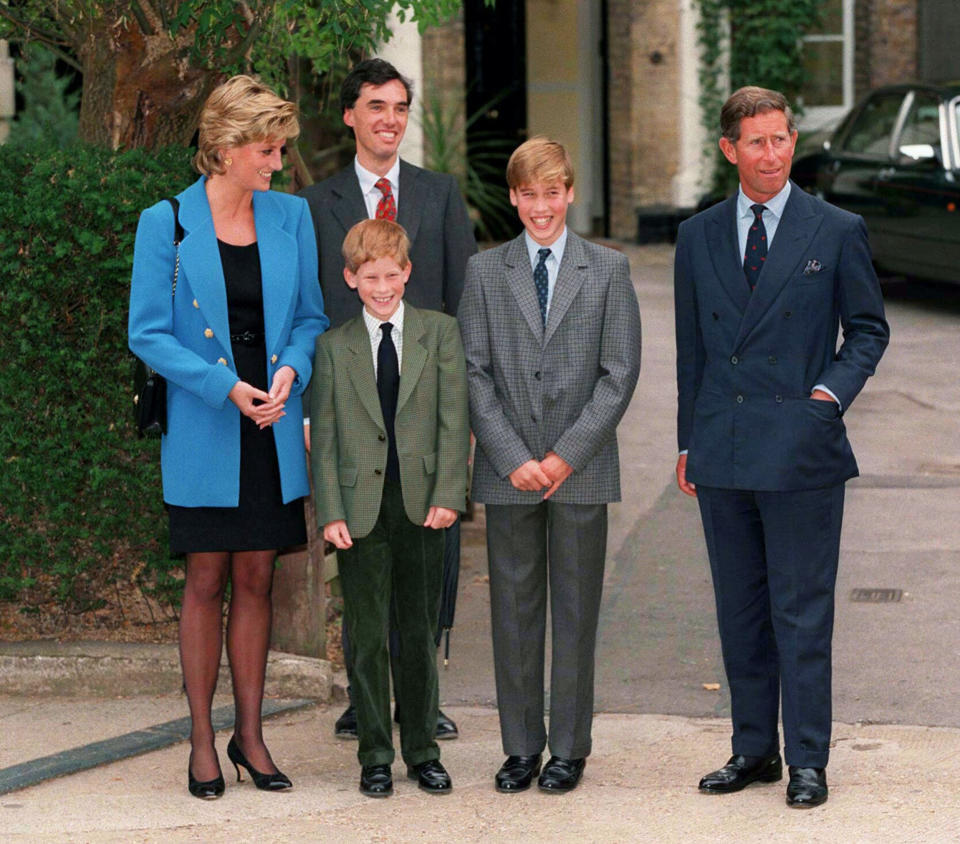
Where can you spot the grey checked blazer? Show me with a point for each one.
(562, 389)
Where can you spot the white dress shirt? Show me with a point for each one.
(376, 335)
(368, 185)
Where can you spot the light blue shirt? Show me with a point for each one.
(771, 216)
(553, 259)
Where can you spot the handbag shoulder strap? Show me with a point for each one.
(177, 239)
(177, 228)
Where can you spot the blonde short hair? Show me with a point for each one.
(539, 160)
(370, 240)
(241, 111)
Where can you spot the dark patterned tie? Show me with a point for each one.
(388, 386)
(540, 281)
(756, 252)
(387, 206)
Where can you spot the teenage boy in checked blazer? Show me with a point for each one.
(551, 331)
(390, 440)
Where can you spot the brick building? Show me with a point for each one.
(616, 82)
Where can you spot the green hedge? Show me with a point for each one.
(80, 498)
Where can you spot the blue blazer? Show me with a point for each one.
(187, 340)
(746, 363)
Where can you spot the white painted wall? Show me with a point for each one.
(693, 169)
(404, 51)
(7, 101)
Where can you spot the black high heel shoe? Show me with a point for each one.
(265, 782)
(207, 790)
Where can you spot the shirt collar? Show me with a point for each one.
(556, 248)
(368, 179)
(373, 324)
(774, 205)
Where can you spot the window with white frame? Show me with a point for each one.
(828, 59)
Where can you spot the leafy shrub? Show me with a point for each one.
(80, 499)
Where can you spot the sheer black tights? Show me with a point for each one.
(248, 639)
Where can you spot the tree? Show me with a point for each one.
(148, 65)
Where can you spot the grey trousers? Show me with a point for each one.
(529, 545)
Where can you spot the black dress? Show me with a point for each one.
(261, 521)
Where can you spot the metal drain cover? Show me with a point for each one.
(876, 596)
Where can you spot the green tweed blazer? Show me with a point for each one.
(348, 439)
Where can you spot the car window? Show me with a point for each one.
(920, 137)
(871, 129)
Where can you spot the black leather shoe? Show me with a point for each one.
(346, 726)
(517, 773)
(807, 787)
(561, 774)
(431, 776)
(376, 781)
(446, 727)
(740, 771)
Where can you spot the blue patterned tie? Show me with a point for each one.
(540, 280)
(756, 252)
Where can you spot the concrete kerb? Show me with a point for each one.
(114, 669)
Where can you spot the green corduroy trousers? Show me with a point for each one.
(405, 560)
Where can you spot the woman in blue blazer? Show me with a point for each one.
(235, 343)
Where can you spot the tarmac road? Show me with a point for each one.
(894, 662)
(893, 776)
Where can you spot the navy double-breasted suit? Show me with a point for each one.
(187, 339)
(768, 461)
(747, 362)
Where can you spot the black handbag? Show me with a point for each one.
(149, 386)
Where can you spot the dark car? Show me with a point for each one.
(895, 160)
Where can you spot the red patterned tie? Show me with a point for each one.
(387, 206)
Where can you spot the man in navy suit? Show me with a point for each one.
(763, 282)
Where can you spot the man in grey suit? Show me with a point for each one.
(763, 283)
(375, 99)
(551, 331)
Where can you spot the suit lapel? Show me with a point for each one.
(520, 281)
(570, 279)
(411, 204)
(200, 262)
(796, 229)
(348, 206)
(361, 369)
(278, 267)
(414, 355)
(724, 248)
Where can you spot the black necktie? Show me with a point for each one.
(388, 386)
(540, 282)
(756, 252)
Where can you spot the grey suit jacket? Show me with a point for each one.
(746, 363)
(433, 213)
(562, 388)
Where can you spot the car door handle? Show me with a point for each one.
(886, 173)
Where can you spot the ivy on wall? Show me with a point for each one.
(749, 42)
